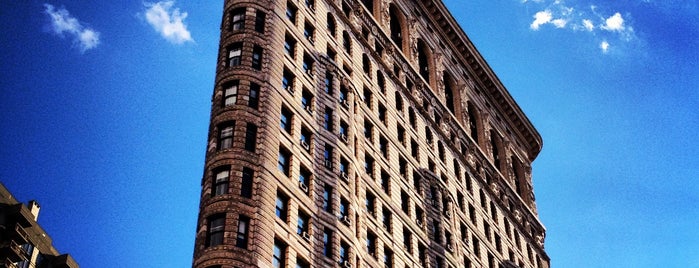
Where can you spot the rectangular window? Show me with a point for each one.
(344, 209)
(327, 243)
(254, 100)
(307, 100)
(328, 83)
(260, 21)
(257, 57)
(291, 12)
(327, 198)
(328, 119)
(328, 154)
(304, 178)
(344, 254)
(367, 97)
(246, 184)
(221, 182)
(288, 81)
(307, 64)
(343, 95)
(302, 224)
(216, 229)
(371, 243)
(383, 147)
(407, 240)
(289, 46)
(385, 181)
(310, 4)
(285, 122)
(368, 129)
(241, 240)
(250, 137)
(279, 254)
(225, 135)
(369, 166)
(309, 31)
(405, 202)
(230, 92)
(401, 134)
(283, 161)
(301, 263)
(235, 52)
(306, 138)
(382, 113)
(238, 19)
(282, 206)
(344, 168)
(386, 219)
(370, 203)
(387, 257)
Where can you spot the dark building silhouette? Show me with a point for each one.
(362, 134)
(23, 243)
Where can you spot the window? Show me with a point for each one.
(346, 42)
(369, 165)
(476, 245)
(254, 100)
(405, 202)
(371, 243)
(307, 64)
(307, 100)
(301, 263)
(250, 137)
(386, 219)
(230, 92)
(472, 213)
(221, 182)
(216, 228)
(331, 53)
(383, 147)
(328, 83)
(367, 97)
(291, 12)
(381, 81)
(302, 224)
(411, 117)
(257, 57)
(440, 151)
(343, 95)
(304, 178)
(283, 161)
(260, 21)
(366, 65)
(247, 181)
(395, 26)
(331, 25)
(494, 142)
(473, 121)
(288, 81)
(286, 117)
(310, 4)
(385, 182)
(428, 136)
(403, 167)
(344, 130)
(225, 135)
(387, 257)
(279, 255)
(309, 31)
(493, 211)
(328, 154)
(327, 198)
(327, 243)
(241, 240)
(382, 113)
(289, 46)
(407, 240)
(370, 202)
(414, 149)
(306, 138)
(368, 129)
(399, 102)
(344, 253)
(238, 19)
(344, 209)
(344, 167)
(401, 134)
(235, 52)
(423, 60)
(281, 207)
(328, 119)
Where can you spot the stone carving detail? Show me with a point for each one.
(495, 188)
(439, 63)
(518, 215)
(445, 126)
(386, 13)
(540, 240)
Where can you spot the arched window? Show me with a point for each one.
(423, 60)
(395, 25)
(331, 25)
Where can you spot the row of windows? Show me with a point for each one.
(226, 132)
(235, 56)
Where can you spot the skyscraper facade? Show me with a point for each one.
(362, 134)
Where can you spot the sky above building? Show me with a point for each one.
(104, 109)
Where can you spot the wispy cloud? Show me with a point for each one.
(168, 21)
(63, 24)
(581, 19)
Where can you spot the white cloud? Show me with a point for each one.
(63, 23)
(541, 17)
(588, 25)
(604, 46)
(559, 23)
(614, 23)
(168, 21)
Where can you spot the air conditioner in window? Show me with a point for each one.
(306, 235)
(303, 187)
(308, 109)
(346, 264)
(447, 214)
(344, 102)
(450, 247)
(305, 145)
(465, 241)
(344, 175)
(420, 223)
(290, 89)
(328, 163)
(346, 220)
(343, 137)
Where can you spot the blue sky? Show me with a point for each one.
(104, 109)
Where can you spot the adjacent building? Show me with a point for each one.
(362, 134)
(23, 243)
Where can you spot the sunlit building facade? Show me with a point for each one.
(23, 243)
(362, 134)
